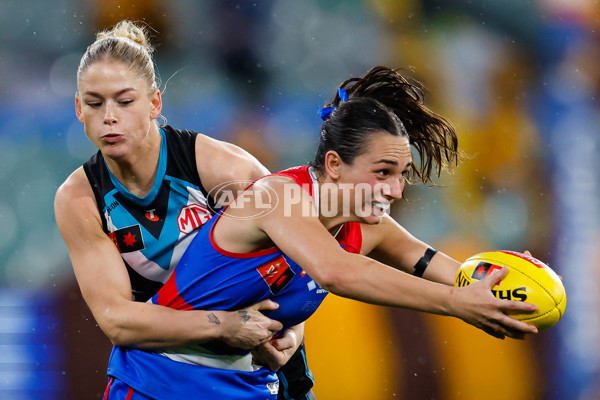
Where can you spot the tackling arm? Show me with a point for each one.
(106, 288)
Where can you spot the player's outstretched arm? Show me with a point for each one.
(391, 244)
(106, 288)
(307, 241)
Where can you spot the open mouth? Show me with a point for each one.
(381, 206)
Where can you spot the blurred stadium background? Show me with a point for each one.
(519, 79)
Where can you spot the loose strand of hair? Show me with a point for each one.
(433, 137)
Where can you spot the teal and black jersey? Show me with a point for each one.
(152, 232)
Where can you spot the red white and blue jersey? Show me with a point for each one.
(211, 278)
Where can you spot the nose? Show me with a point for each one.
(110, 117)
(395, 188)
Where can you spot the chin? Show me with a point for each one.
(372, 219)
(114, 152)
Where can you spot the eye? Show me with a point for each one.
(406, 174)
(383, 172)
(125, 102)
(94, 104)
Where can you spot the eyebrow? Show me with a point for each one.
(391, 162)
(120, 92)
(409, 164)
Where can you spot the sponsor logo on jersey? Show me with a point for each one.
(151, 216)
(276, 273)
(128, 239)
(484, 269)
(273, 387)
(192, 217)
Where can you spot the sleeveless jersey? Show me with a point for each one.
(211, 278)
(152, 232)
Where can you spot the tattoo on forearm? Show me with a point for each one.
(212, 318)
(244, 315)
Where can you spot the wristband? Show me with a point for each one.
(423, 262)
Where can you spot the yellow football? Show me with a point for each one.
(528, 280)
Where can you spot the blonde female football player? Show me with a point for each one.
(128, 214)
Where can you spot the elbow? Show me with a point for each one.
(336, 275)
(118, 337)
(116, 331)
(332, 281)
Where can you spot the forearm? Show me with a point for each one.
(369, 281)
(391, 244)
(150, 326)
(442, 269)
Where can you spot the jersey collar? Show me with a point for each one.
(160, 174)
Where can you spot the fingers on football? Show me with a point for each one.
(502, 331)
(495, 277)
(514, 307)
(516, 326)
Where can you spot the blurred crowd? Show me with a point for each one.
(518, 80)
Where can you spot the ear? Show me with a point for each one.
(333, 164)
(78, 111)
(156, 106)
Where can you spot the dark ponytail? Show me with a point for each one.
(385, 100)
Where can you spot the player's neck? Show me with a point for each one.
(333, 206)
(137, 171)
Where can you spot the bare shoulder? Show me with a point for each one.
(74, 187)
(75, 199)
(206, 145)
(287, 197)
(282, 185)
(218, 162)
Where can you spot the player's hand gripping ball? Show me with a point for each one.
(528, 280)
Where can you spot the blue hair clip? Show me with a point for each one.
(326, 112)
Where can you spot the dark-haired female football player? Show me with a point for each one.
(325, 230)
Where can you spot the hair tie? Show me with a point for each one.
(326, 112)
